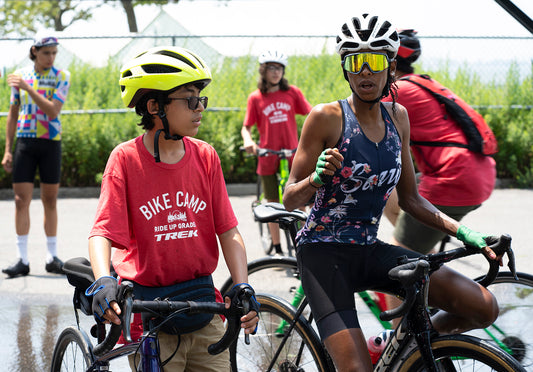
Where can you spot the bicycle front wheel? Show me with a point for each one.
(269, 350)
(513, 330)
(277, 276)
(72, 352)
(462, 353)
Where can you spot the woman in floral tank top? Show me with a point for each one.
(351, 155)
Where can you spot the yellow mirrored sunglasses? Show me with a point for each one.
(376, 62)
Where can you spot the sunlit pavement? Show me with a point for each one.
(35, 308)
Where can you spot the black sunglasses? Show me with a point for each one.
(193, 102)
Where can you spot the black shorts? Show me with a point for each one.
(31, 153)
(332, 272)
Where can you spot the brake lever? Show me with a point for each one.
(247, 297)
(504, 247)
(512, 263)
(126, 310)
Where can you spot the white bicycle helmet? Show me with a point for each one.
(273, 56)
(368, 32)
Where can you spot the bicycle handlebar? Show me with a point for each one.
(411, 271)
(283, 153)
(129, 306)
(407, 274)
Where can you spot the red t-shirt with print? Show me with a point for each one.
(451, 176)
(274, 114)
(163, 218)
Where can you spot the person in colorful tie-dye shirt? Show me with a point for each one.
(38, 93)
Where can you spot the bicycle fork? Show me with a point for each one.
(286, 331)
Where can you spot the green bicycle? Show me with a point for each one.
(283, 175)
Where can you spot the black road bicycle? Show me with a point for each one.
(300, 352)
(74, 350)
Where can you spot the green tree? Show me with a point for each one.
(23, 17)
(129, 9)
(26, 16)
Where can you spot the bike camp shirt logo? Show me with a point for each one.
(277, 112)
(177, 226)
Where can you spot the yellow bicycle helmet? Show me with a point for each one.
(161, 68)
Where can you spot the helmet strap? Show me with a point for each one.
(163, 116)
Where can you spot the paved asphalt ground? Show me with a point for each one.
(28, 304)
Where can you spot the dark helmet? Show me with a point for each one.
(409, 50)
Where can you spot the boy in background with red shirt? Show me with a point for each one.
(273, 108)
(164, 216)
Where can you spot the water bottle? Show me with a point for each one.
(376, 344)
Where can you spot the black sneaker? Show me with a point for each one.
(17, 269)
(55, 267)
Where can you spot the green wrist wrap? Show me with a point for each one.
(319, 170)
(471, 237)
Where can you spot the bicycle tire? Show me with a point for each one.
(72, 352)
(303, 350)
(513, 327)
(274, 275)
(264, 231)
(462, 353)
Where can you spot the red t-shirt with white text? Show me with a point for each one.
(274, 114)
(163, 218)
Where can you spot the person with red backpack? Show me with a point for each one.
(455, 176)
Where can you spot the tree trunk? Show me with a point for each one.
(130, 13)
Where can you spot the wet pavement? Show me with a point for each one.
(34, 309)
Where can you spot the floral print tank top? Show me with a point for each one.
(348, 209)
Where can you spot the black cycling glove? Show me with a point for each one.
(241, 292)
(104, 291)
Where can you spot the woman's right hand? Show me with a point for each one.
(328, 162)
(7, 162)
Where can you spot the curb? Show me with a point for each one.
(234, 189)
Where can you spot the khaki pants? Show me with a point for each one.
(192, 354)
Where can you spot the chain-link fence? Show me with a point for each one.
(95, 119)
(488, 57)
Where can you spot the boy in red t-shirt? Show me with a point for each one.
(273, 108)
(165, 217)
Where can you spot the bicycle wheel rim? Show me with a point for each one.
(266, 239)
(302, 351)
(463, 353)
(277, 276)
(72, 352)
(513, 327)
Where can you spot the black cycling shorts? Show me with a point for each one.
(332, 272)
(31, 153)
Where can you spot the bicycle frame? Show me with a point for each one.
(418, 319)
(282, 175)
(419, 323)
(148, 349)
(283, 172)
